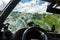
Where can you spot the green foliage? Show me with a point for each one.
(19, 20)
(48, 20)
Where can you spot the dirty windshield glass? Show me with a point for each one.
(32, 11)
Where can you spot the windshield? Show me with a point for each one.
(27, 11)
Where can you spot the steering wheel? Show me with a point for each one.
(34, 33)
(18, 34)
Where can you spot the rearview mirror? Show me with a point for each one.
(53, 6)
(57, 1)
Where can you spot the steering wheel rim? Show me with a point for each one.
(37, 28)
(19, 33)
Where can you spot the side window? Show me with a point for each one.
(3, 4)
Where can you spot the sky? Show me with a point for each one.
(30, 6)
(3, 3)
